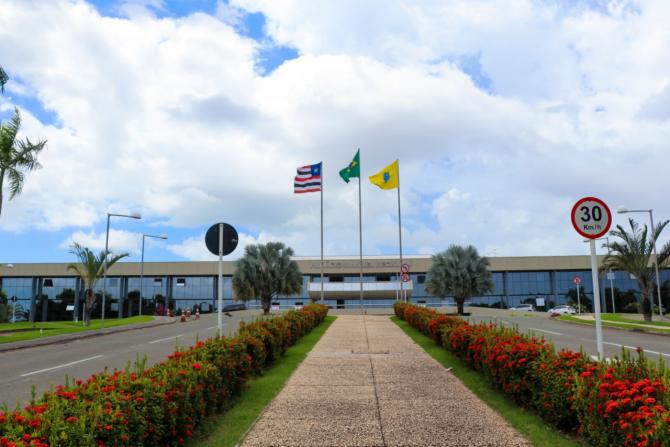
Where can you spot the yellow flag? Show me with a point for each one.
(387, 178)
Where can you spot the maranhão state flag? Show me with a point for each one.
(308, 179)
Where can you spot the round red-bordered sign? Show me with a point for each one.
(577, 280)
(591, 217)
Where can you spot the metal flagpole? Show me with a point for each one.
(321, 231)
(360, 225)
(402, 297)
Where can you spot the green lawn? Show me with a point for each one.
(624, 318)
(229, 428)
(530, 425)
(28, 331)
(618, 322)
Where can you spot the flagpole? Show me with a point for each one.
(402, 297)
(360, 225)
(322, 232)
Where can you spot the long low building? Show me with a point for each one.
(45, 292)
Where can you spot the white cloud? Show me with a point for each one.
(120, 241)
(170, 117)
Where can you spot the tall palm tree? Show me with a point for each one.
(459, 272)
(3, 79)
(16, 156)
(265, 271)
(634, 254)
(89, 269)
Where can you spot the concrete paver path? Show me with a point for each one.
(366, 383)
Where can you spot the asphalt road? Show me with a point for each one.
(47, 366)
(574, 336)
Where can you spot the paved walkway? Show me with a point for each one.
(366, 383)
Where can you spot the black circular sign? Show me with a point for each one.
(229, 239)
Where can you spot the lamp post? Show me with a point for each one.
(609, 273)
(624, 210)
(144, 236)
(104, 262)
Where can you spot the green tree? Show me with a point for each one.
(16, 156)
(89, 269)
(459, 272)
(633, 253)
(266, 271)
(3, 80)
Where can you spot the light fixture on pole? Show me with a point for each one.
(144, 236)
(104, 261)
(623, 210)
(610, 275)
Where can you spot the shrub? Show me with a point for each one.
(623, 402)
(158, 406)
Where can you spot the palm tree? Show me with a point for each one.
(265, 271)
(634, 254)
(3, 79)
(16, 156)
(459, 272)
(89, 269)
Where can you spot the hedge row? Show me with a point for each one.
(159, 406)
(624, 402)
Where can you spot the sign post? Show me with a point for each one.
(221, 239)
(404, 277)
(592, 218)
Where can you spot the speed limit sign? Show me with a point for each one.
(591, 217)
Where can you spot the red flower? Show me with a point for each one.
(197, 366)
(71, 419)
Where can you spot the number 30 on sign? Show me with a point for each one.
(591, 217)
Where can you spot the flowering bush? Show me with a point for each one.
(624, 402)
(158, 406)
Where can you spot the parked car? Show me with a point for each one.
(562, 310)
(234, 306)
(524, 308)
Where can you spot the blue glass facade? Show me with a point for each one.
(48, 298)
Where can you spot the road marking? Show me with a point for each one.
(61, 366)
(165, 339)
(635, 349)
(213, 327)
(544, 330)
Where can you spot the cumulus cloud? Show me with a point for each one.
(119, 241)
(171, 117)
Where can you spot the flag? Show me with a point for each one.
(354, 168)
(387, 178)
(308, 179)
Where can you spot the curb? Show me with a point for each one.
(56, 339)
(637, 330)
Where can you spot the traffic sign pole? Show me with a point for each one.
(596, 299)
(592, 218)
(220, 307)
(579, 303)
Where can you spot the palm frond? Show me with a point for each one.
(4, 78)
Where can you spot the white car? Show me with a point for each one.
(524, 308)
(563, 310)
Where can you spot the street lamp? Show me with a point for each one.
(610, 275)
(104, 262)
(144, 236)
(623, 210)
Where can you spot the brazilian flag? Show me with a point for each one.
(354, 168)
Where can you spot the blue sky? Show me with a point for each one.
(502, 114)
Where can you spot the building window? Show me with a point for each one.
(336, 278)
(383, 277)
(48, 283)
(158, 281)
(421, 279)
(181, 282)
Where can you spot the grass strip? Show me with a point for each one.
(28, 331)
(624, 319)
(638, 327)
(531, 426)
(226, 430)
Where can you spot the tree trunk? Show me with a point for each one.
(460, 305)
(88, 307)
(266, 302)
(646, 307)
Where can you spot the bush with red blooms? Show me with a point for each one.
(623, 402)
(158, 406)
